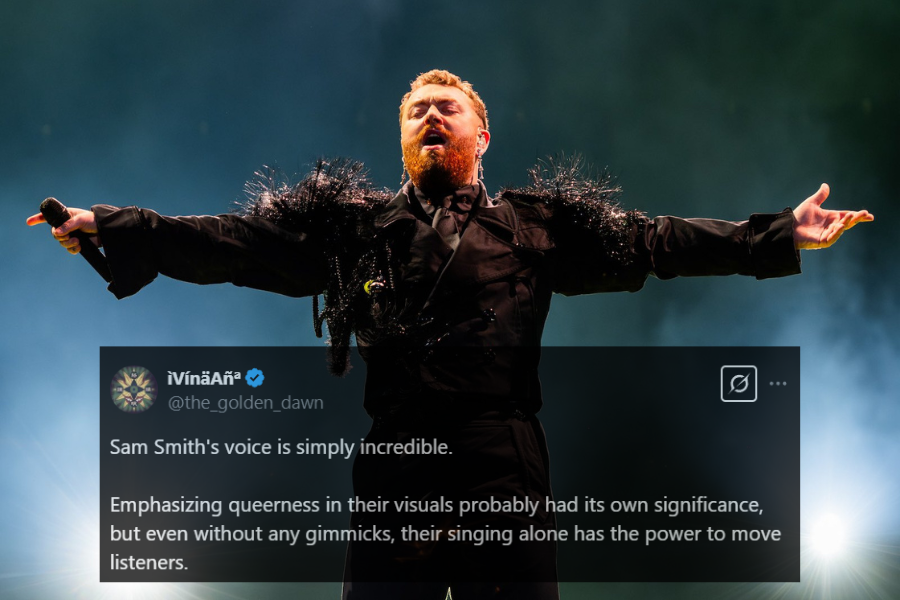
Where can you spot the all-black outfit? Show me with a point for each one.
(451, 337)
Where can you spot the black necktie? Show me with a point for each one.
(450, 217)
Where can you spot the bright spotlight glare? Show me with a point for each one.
(828, 537)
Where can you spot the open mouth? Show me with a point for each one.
(433, 138)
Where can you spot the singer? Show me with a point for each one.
(446, 289)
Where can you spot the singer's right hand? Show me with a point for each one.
(81, 219)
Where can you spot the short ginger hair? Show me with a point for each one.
(442, 77)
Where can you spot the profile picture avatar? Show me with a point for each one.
(133, 389)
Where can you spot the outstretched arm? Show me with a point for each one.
(246, 251)
(815, 227)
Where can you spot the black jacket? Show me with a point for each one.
(467, 322)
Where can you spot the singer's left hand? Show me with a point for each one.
(80, 219)
(815, 227)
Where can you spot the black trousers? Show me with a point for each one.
(493, 458)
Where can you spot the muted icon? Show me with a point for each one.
(738, 383)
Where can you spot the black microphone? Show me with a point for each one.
(56, 214)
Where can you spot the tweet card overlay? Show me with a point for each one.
(237, 464)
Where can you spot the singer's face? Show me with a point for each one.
(439, 133)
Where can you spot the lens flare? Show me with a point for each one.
(828, 537)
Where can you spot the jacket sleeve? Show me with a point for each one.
(246, 251)
(668, 247)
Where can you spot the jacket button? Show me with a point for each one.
(489, 315)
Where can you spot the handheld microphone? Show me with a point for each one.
(55, 213)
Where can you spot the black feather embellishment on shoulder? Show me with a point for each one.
(580, 201)
(334, 203)
(332, 197)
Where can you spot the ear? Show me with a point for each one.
(484, 140)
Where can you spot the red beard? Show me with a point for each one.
(445, 169)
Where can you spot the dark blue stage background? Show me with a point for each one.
(700, 108)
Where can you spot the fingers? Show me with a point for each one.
(859, 216)
(61, 233)
(832, 233)
(75, 222)
(819, 197)
(839, 226)
(72, 245)
(81, 219)
(842, 225)
(824, 191)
